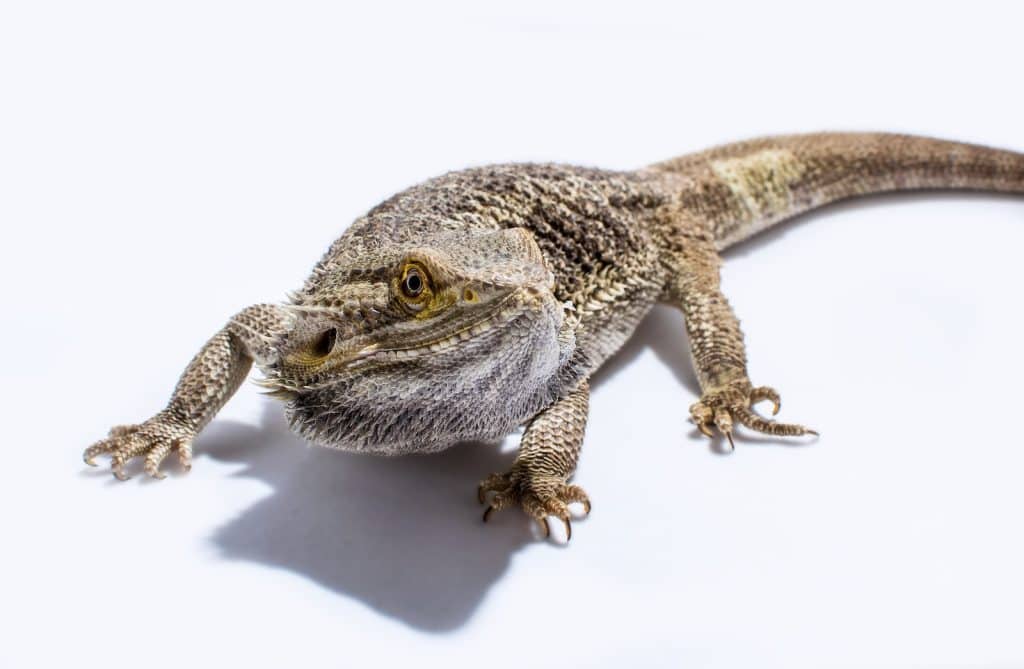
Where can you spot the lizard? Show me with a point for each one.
(483, 300)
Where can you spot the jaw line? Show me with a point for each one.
(497, 316)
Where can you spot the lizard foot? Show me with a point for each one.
(539, 495)
(155, 438)
(733, 403)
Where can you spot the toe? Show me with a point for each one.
(539, 497)
(539, 512)
(557, 508)
(155, 457)
(121, 455)
(766, 393)
(751, 420)
(702, 415)
(574, 493)
(99, 448)
(723, 421)
(702, 424)
(184, 449)
(493, 483)
(502, 500)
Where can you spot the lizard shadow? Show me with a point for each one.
(401, 535)
(663, 332)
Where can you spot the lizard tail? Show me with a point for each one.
(740, 189)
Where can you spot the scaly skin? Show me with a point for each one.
(484, 299)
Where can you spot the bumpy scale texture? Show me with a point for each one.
(483, 300)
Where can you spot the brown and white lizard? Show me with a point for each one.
(484, 299)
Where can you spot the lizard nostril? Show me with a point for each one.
(325, 344)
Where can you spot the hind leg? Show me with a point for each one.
(716, 342)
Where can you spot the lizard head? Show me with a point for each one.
(429, 342)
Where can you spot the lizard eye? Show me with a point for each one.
(412, 284)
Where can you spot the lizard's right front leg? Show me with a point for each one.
(717, 346)
(212, 377)
(539, 479)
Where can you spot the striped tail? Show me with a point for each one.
(740, 189)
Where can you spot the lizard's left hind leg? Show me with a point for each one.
(717, 345)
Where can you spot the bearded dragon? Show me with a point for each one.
(484, 299)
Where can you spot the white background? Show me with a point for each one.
(164, 164)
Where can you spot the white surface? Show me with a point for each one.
(163, 166)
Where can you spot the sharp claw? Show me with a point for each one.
(766, 393)
(157, 474)
(480, 494)
(120, 475)
(541, 509)
(88, 459)
(723, 421)
(809, 431)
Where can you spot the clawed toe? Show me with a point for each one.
(574, 493)
(723, 421)
(155, 457)
(539, 498)
(493, 483)
(99, 448)
(728, 406)
(154, 439)
(763, 393)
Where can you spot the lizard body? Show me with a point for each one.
(484, 299)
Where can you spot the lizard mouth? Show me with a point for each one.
(503, 312)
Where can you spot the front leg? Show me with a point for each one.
(539, 478)
(716, 342)
(212, 377)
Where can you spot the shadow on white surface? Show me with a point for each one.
(663, 331)
(402, 535)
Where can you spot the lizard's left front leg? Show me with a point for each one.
(539, 478)
(717, 346)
